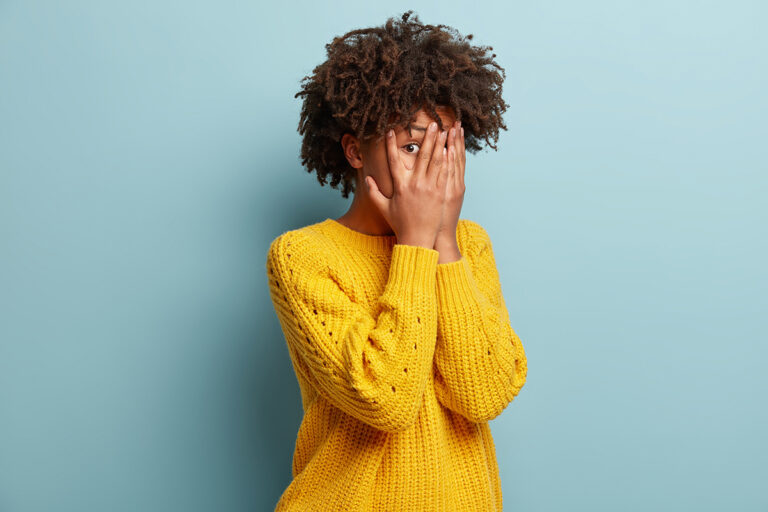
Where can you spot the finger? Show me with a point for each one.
(458, 173)
(439, 152)
(443, 177)
(452, 174)
(425, 152)
(378, 199)
(451, 163)
(453, 137)
(456, 150)
(393, 159)
(462, 155)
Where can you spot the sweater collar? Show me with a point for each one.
(357, 239)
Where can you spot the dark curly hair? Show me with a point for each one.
(377, 78)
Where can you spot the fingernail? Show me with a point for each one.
(432, 126)
(462, 131)
(390, 133)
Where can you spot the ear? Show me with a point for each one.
(352, 150)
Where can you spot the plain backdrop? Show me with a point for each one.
(149, 153)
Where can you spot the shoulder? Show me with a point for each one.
(472, 236)
(298, 252)
(472, 228)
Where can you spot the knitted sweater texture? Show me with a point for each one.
(401, 362)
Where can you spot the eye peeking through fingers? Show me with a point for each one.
(412, 144)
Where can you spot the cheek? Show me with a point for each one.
(408, 159)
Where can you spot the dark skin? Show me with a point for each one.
(374, 159)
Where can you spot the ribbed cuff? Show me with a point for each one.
(413, 266)
(455, 284)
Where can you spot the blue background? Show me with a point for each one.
(149, 154)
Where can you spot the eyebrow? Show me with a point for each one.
(418, 128)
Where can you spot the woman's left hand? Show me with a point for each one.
(454, 194)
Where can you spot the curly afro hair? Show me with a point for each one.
(378, 78)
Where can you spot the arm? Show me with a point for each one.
(372, 367)
(480, 361)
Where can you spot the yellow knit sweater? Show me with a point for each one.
(401, 362)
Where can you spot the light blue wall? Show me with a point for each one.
(149, 153)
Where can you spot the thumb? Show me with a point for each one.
(379, 199)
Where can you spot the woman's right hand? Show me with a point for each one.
(415, 209)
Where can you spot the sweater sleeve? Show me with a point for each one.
(374, 367)
(479, 359)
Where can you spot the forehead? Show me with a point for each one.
(422, 118)
(446, 115)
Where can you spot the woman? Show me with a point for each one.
(393, 313)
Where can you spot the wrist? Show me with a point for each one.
(448, 249)
(417, 241)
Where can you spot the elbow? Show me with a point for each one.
(385, 403)
(398, 413)
(486, 413)
(401, 417)
(480, 401)
(390, 414)
(481, 409)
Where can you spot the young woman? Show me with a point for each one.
(393, 313)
